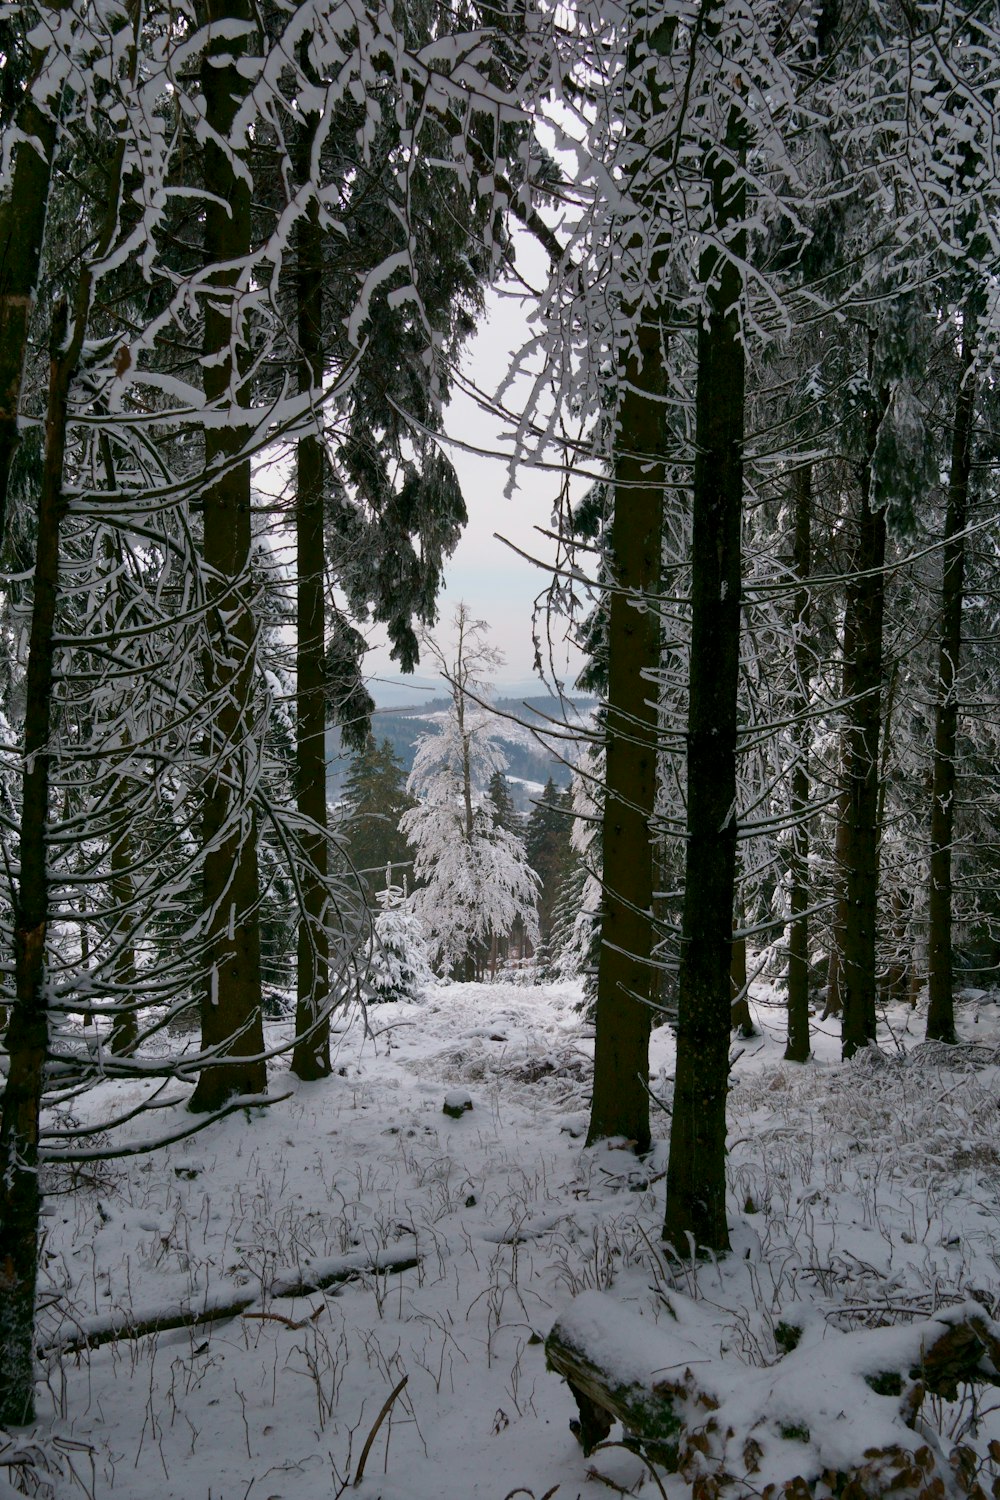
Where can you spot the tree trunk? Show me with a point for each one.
(798, 1046)
(740, 1018)
(627, 981)
(941, 1008)
(895, 982)
(22, 229)
(696, 1174)
(863, 665)
(311, 1056)
(834, 1005)
(231, 1024)
(125, 1031)
(27, 1035)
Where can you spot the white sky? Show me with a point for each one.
(497, 585)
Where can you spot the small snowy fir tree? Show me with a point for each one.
(478, 879)
(399, 968)
(576, 918)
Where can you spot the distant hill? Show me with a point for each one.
(529, 759)
(399, 692)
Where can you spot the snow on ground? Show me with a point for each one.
(860, 1194)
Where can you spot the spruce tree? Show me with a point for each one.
(478, 880)
(30, 73)
(230, 1002)
(547, 841)
(398, 969)
(374, 801)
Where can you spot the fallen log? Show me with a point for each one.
(838, 1408)
(74, 1336)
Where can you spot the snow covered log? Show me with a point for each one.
(838, 1408)
(75, 1335)
(616, 1365)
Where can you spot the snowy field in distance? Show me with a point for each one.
(864, 1192)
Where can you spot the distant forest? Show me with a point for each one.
(403, 727)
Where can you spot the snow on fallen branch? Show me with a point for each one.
(75, 1335)
(840, 1409)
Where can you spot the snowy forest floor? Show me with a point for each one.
(862, 1194)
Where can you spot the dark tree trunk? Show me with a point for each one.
(863, 670)
(22, 229)
(834, 1005)
(311, 1056)
(231, 1024)
(941, 1009)
(125, 1031)
(696, 1172)
(27, 1035)
(626, 981)
(740, 1018)
(798, 1046)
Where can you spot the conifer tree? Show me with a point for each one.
(374, 801)
(547, 842)
(230, 1005)
(33, 75)
(398, 969)
(941, 1007)
(478, 880)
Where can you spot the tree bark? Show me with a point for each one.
(28, 1033)
(834, 1005)
(740, 1018)
(125, 1030)
(311, 1055)
(798, 1046)
(22, 229)
(863, 670)
(27, 1037)
(231, 1023)
(941, 1008)
(627, 981)
(696, 1176)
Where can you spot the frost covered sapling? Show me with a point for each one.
(399, 969)
(478, 880)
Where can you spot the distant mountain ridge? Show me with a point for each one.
(403, 693)
(529, 760)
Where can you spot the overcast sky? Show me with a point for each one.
(498, 586)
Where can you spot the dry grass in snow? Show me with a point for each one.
(860, 1195)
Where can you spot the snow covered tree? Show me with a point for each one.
(33, 74)
(478, 882)
(230, 1005)
(131, 189)
(398, 968)
(576, 912)
(548, 844)
(378, 506)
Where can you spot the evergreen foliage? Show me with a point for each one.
(478, 883)
(549, 847)
(398, 969)
(374, 801)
